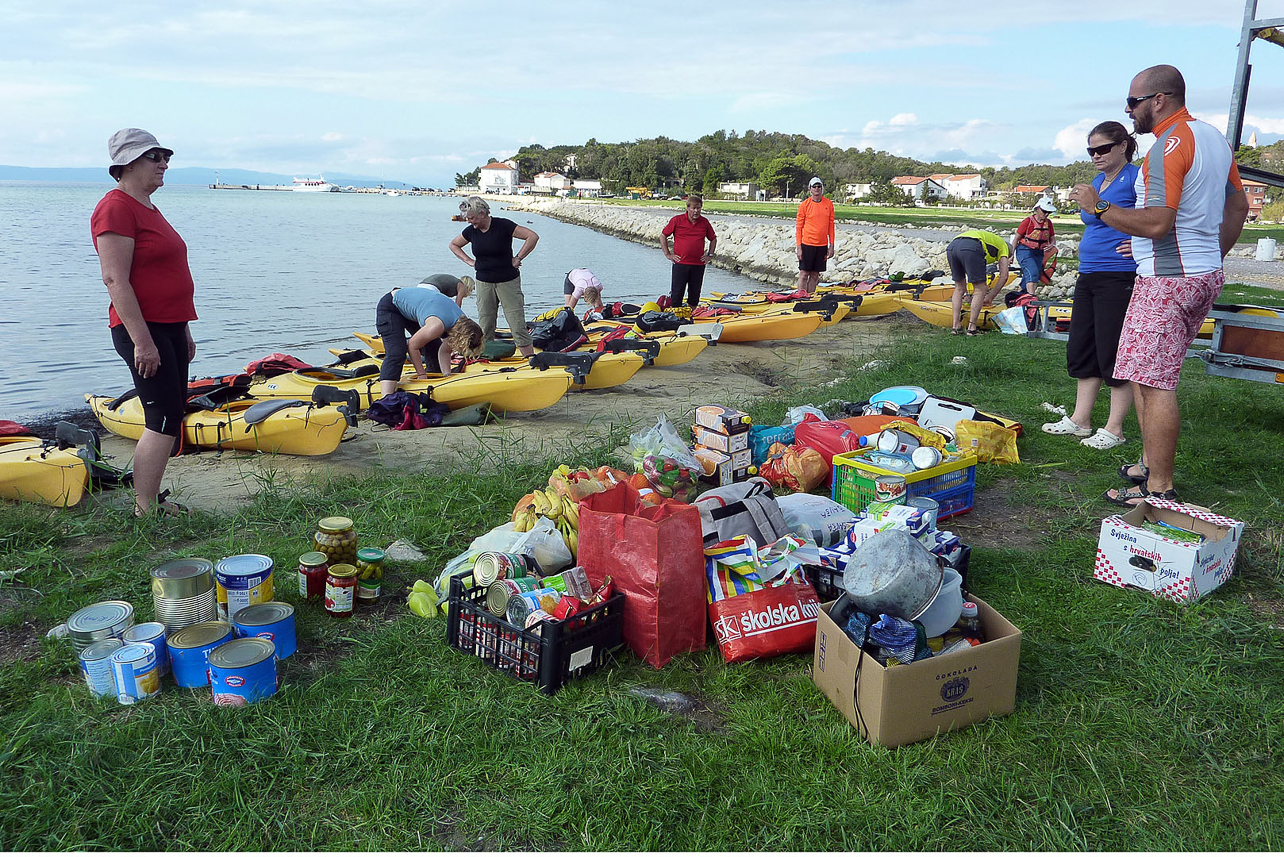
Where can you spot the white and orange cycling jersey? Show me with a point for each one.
(1190, 170)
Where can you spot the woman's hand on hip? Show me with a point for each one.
(517, 261)
(1124, 248)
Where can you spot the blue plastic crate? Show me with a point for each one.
(762, 437)
(951, 484)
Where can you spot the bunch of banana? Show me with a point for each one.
(547, 503)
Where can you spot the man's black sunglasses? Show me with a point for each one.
(1132, 102)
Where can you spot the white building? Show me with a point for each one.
(587, 187)
(921, 188)
(498, 178)
(859, 190)
(744, 190)
(552, 181)
(962, 185)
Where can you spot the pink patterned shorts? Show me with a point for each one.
(1162, 320)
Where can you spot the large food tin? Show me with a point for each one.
(242, 580)
(498, 593)
(243, 671)
(189, 650)
(493, 565)
(183, 593)
(153, 633)
(271, 621)
(523, 603)
(136, 673)
(95, 666)
(101, 621)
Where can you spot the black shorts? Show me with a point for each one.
(393, 328)
(813, 258)
(568, 288)
(967, 260)
(164, 395)
(1100, 303)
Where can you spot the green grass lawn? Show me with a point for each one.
(1140, 724)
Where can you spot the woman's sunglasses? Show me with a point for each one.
(156, 156)
(1093, 151)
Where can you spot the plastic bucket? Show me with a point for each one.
(945, 608)
(1266, 249)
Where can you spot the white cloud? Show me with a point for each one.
(901, 120)
(1072, 139)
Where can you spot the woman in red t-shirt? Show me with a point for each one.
(1034, 237)
(144, 265)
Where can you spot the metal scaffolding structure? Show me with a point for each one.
(1268, 30)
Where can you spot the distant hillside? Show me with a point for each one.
(184, 176)
(772, 160)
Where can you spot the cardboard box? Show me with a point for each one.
(891, 706)
(1129, 556)
(731, 443)
(719, 468)
(742, 459)
(718, 418)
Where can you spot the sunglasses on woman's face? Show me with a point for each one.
(1093, 151)
(156, 156)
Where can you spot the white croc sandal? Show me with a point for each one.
(1104, 440)
(1065, 425)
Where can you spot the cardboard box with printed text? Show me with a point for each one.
(891, 706)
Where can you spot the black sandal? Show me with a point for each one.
(1131, 498)
(1132, 477)
(957, 331)
(972, 331)
(163, 508)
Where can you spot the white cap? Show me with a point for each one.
(814, 181)
(1047, 205)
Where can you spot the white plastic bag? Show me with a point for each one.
(1011, 320)
(663, 439)
(820, 519)
(796, 414)
(546, 544)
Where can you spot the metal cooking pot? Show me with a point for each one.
(891, 572)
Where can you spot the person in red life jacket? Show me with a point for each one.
(688, 255)
(144, 267)
(1190, 212)
(813, 235)
(1034, 237)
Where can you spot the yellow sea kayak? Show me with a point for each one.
(767, 326)
(34, 471)
(941, 313)
(299, 430)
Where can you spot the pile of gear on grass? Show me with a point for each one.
(719, 535)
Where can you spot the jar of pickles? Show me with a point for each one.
(341, 590)
(337, 539)
(314, 567)
(369, 574)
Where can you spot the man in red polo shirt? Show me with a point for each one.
(688, 256)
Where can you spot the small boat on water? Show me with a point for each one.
(314, 186)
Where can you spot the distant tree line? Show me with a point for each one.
(778, 163)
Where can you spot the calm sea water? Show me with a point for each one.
(291, 272)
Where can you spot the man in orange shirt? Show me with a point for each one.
(814, 235)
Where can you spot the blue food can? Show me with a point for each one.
(154, 633)
(135, 670)
(273, 621)
(242, 580)
(95, 666)
(243, 671)
(189, 650)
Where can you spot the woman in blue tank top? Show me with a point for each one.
(1101, 295)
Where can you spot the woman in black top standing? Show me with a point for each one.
(498, 279)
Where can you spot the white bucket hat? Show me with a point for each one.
(1047, 205)
(128, 145)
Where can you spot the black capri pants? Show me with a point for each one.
(1100, 303)
(393, 328)
(164, 395)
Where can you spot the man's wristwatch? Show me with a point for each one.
(1100, 208)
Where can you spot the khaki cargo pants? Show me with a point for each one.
(490, 296)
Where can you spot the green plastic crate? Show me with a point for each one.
(951, 484)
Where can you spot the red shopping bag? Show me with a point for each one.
(655, 556)
(766, 622)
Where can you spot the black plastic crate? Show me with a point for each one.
(828, 582)
(548, 655)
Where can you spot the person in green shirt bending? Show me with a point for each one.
(969, 254)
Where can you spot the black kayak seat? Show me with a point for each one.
(260, 411)
(340, 371)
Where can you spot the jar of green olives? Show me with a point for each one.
(337, 539)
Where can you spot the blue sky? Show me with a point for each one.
(422, 89)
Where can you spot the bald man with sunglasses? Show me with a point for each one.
(1190, 212)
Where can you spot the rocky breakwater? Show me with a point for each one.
(764, 249)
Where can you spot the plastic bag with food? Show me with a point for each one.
(987, 441)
